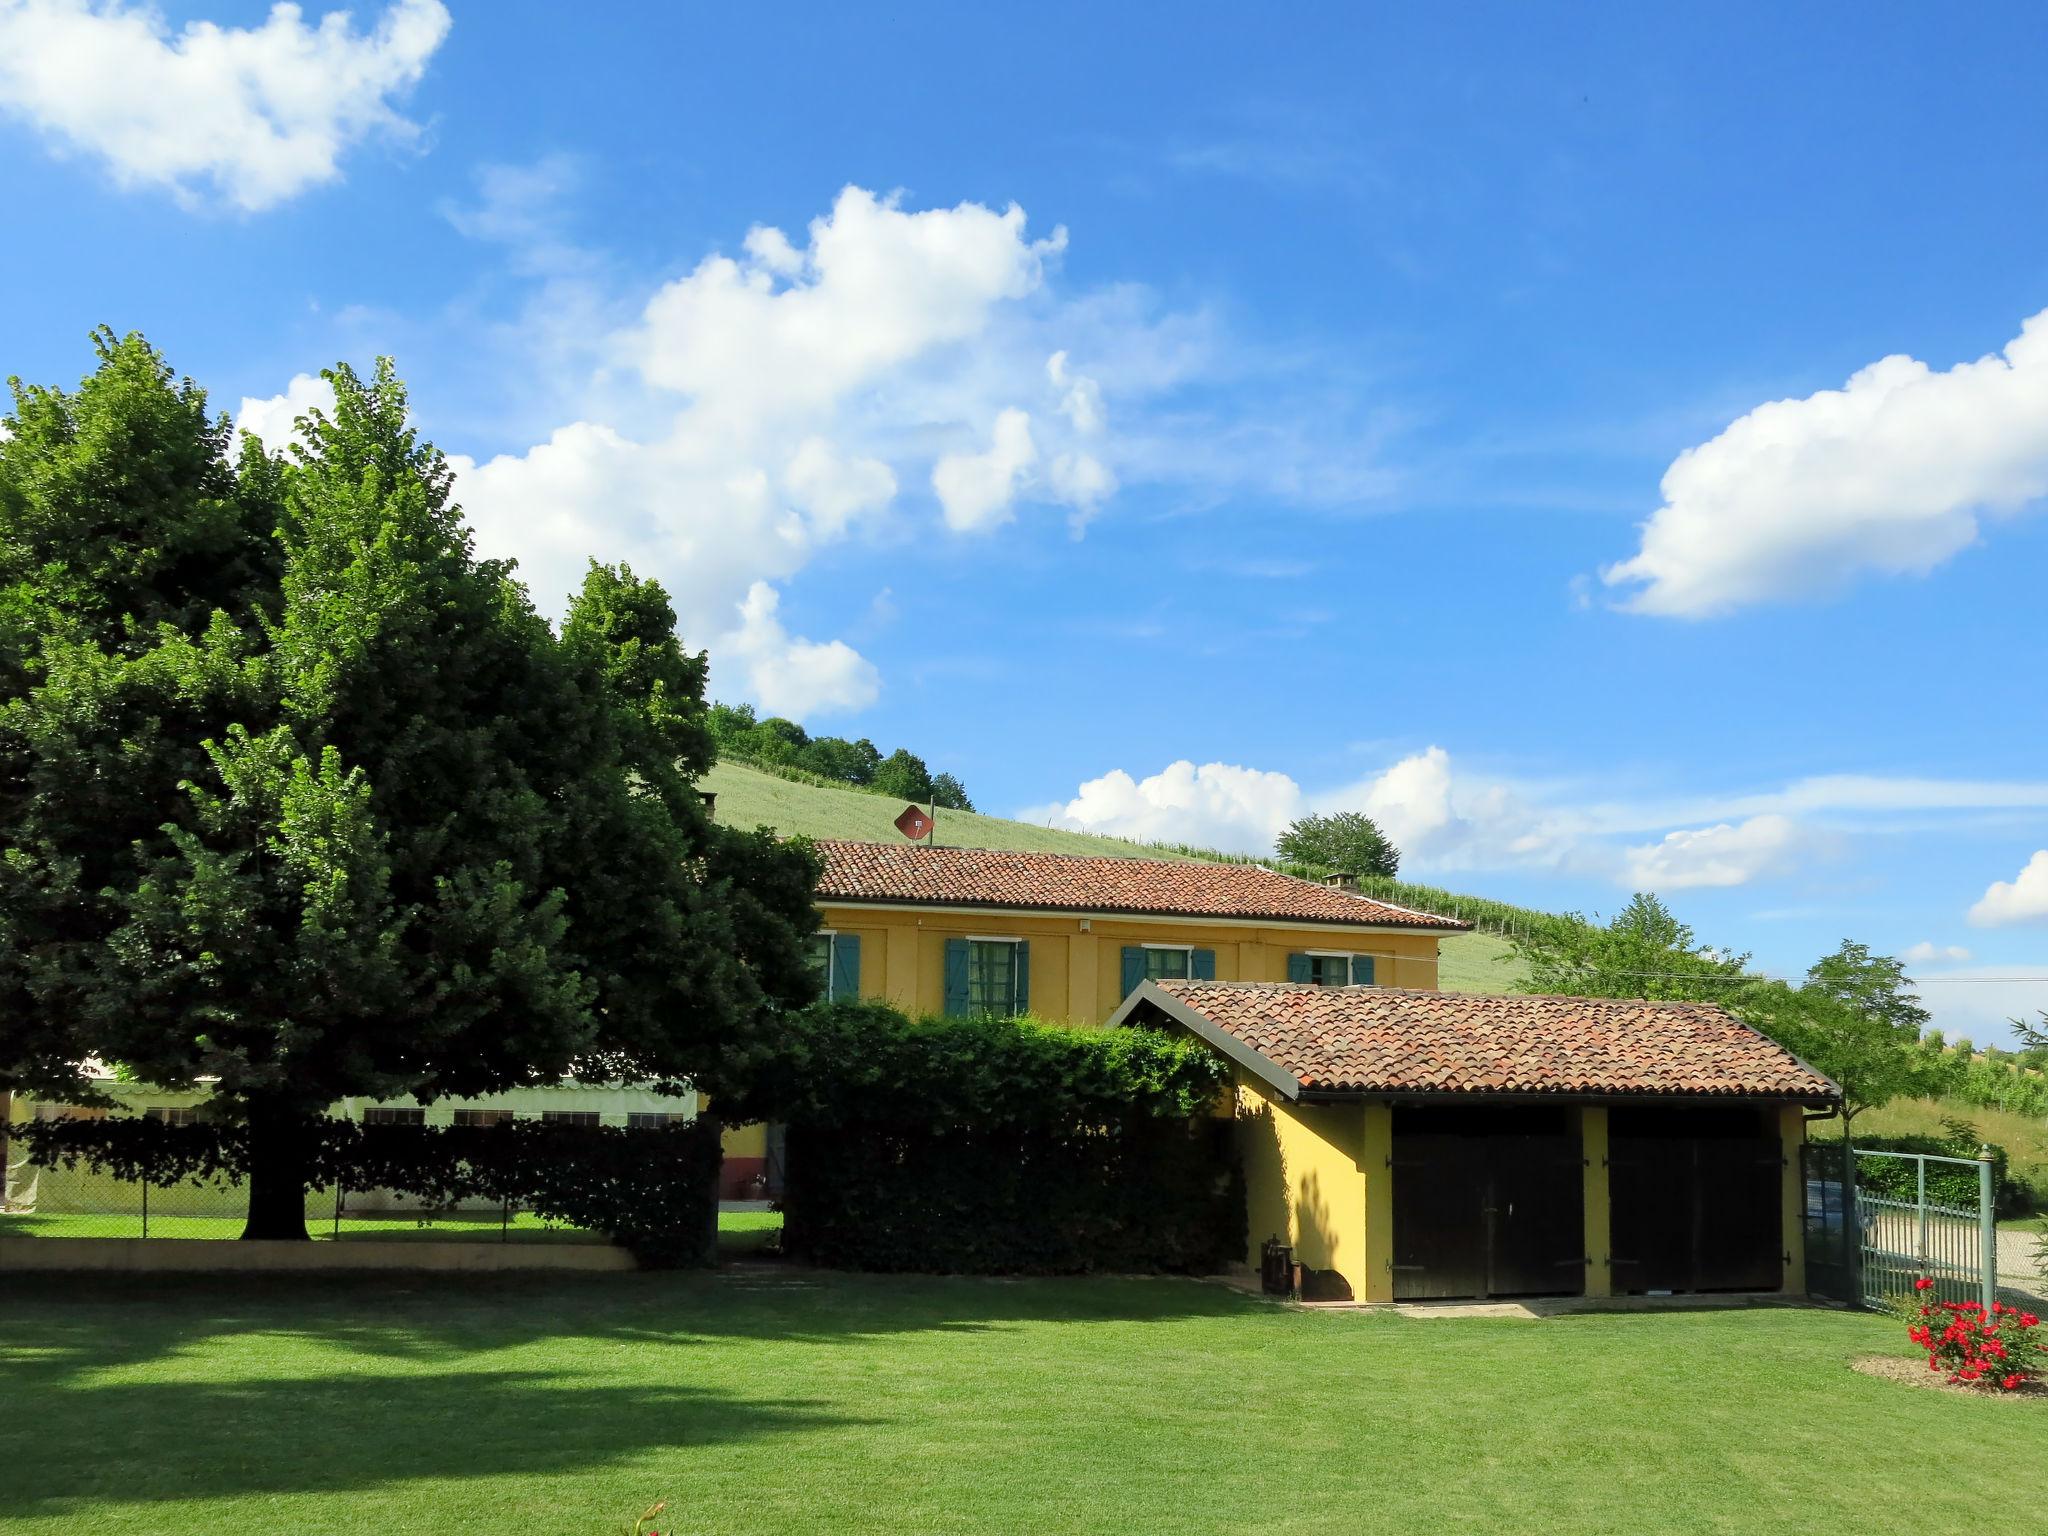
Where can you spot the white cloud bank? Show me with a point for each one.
(1723, 855)
(1888, 475)
(2022, 899)
(258, 113)
(765, 406)
(1438, 819)
(1445, 817)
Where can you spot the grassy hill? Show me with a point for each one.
(747, 797)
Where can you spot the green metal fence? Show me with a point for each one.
(1926, 1223)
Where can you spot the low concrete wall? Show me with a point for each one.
(171, 1255)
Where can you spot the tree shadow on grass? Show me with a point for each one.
(91, 1444)
(54, 1328)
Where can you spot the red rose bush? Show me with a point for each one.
(2001, 1348)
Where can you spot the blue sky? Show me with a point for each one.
(1171, 420)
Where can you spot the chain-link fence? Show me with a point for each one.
(76, 1202)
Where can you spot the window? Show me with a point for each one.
(172, 1116)
(570, 1117)
(1164, 963)
(992, 976)
(1331, 968)
(648, 1120)
(987, 976)
(835, 958)
(482, 1116)
(394, 1117)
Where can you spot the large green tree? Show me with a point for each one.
(1855, 1018)
(303, 798)
(1349, 842)
(1643, 951)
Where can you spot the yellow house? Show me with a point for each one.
(942, 930)
(1410, 1145)
(1062, 936)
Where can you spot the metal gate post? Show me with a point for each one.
(1852, 1224)
(1920, 1168)
(1987, 1228)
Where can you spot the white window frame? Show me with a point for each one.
(828, 935)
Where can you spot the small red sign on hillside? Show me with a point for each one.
(914, 824)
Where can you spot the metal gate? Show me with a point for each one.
(1920, 1214)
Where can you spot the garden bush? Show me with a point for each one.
(652, 1191)
(1999, 1348)
(1000, 1146)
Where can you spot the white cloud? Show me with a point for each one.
(259, 113)
(1926, 953)
(791, 676)
(272, 420)
(1437, 820)
(764, 406)
(2022, 899)
(1723, 855)
(1218, 805)
(976, 489)
(1886, 475)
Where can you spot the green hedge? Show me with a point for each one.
(652, 1191)
(997, 1146)
(1163, 1196)
(1896, 1179)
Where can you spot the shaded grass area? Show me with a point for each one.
(782, 1400)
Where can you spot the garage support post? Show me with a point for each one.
(1593, 1150)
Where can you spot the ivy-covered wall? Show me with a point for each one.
(988, 1146)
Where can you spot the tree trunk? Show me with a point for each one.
(277, 1173)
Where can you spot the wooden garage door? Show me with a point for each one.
(1697, 1201)
(1487, 1203)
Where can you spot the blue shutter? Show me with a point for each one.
(956, 978)
(1023, 976)
(1134, 967)
(1202, 964)
(1298, 968)
(1361, 970)
(845, 967)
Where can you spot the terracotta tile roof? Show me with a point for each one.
(1065, 882)
(1394, 1040)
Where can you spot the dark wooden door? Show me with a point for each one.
(1440, 1198)
(1479, 1214)
(1696, 1212)
(1536, 1240)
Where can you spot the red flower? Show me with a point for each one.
(2012, 1383)
(2028, 1320)
(1923, 1284)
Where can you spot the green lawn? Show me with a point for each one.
(740, 1231)
(780, 1401)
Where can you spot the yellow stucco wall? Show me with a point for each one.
(1077, 973)
(1316, 1176)
(1791, 1137)
(1599, 1210)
